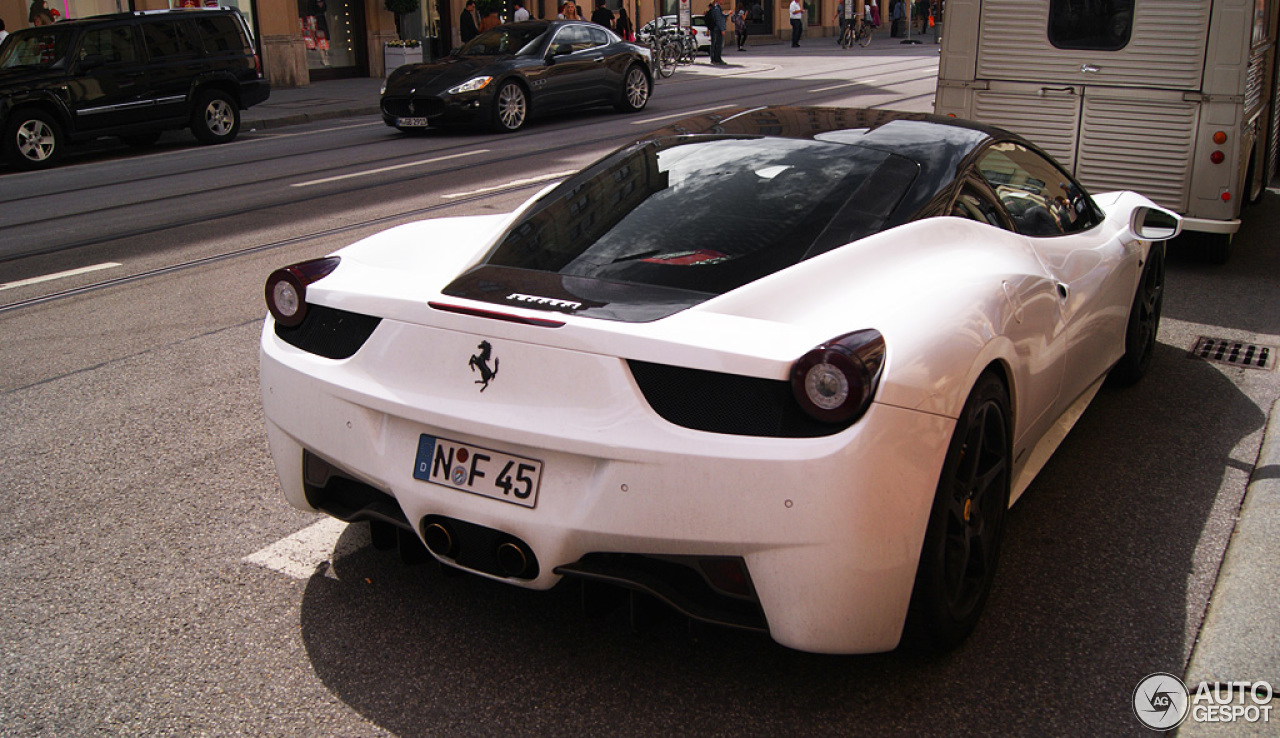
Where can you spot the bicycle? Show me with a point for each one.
(664, 49)
(859, 33)
(688, 47)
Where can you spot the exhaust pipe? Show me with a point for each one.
(440, 540)
(513, 559)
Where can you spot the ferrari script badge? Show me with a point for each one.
(480, 361)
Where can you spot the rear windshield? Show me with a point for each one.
(35, 48)
(707, 213)
(503, 40)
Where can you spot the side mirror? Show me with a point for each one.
(1155, 224)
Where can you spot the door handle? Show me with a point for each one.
(1063, 290)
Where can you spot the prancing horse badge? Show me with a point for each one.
(481, 361)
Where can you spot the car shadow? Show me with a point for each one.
(1106, 569)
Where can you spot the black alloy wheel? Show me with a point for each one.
(510, 107)
(216, 118)
(1144, 321)
(33, 139)
(966, 524)
(636, 88)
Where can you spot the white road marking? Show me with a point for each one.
(301, 555)
(59, 275)
(511, 184)
(854, 83)
(380, 170)
(688, 114)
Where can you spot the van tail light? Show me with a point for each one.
(286, 290)
(834, 382)
(257, 65)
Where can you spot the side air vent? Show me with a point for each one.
(329, 332)
(725, 403)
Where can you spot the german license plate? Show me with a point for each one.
(478, 470)
(412, 122)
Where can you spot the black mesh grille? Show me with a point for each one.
(725, 403)
(422, 106)
(329, 332)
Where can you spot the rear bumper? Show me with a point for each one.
(829, 528)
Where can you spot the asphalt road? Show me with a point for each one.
(141, 503)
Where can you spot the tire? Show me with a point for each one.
(510, 107)
(966, 524)
(141, 140)
(668, 58)
(216, 118)
(864, 38)
(33, 139)
(1144, 322)
(636, 88)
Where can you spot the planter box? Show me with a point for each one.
(394, 56)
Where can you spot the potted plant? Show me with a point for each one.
(398, 53)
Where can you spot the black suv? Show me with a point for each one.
(130, 75)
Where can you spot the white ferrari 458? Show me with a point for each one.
(785, 369)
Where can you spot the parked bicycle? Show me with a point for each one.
(859, 33)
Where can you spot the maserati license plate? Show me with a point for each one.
(478, 470)
(412, 122)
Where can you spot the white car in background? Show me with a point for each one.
(700, 31)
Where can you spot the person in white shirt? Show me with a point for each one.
(797, 21)
(520, 13)
(3, 33)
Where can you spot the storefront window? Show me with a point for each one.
(328, 33)
(1100, 25)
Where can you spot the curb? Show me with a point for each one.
(1240, 637)
(282, 121)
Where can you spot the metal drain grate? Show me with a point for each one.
(1235, 353)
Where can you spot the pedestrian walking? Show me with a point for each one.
(39, 15)
(717, 24)
(602, 15)
(469, 22)
(740, 26)
(897, 14)
(796, 11)
(623, 26)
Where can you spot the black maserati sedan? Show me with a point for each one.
(507, 74)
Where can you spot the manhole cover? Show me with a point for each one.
(1234, 353)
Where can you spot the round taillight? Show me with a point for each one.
(1220, 137)
(1217, 157)
(1226, 196)
(286, 290)
(285, 298)
(834, 383)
